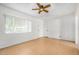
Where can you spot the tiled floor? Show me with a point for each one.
(42, 46)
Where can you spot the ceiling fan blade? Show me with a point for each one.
(39, 12)
(45, 11)
(36, 9)
(47, 6)
(39, 5)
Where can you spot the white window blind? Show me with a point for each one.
(17, 25)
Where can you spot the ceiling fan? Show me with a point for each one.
(42, 8)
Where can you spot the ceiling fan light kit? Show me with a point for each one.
(42, 8)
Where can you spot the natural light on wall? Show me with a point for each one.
(17, 25)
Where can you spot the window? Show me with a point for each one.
(17, 25)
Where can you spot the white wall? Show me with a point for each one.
(77, 26)
(62, 27)
(11, 39)
(68, 27)
(52, 28)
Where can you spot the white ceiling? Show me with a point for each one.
(56, 9)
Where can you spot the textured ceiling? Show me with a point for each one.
(56, 9)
